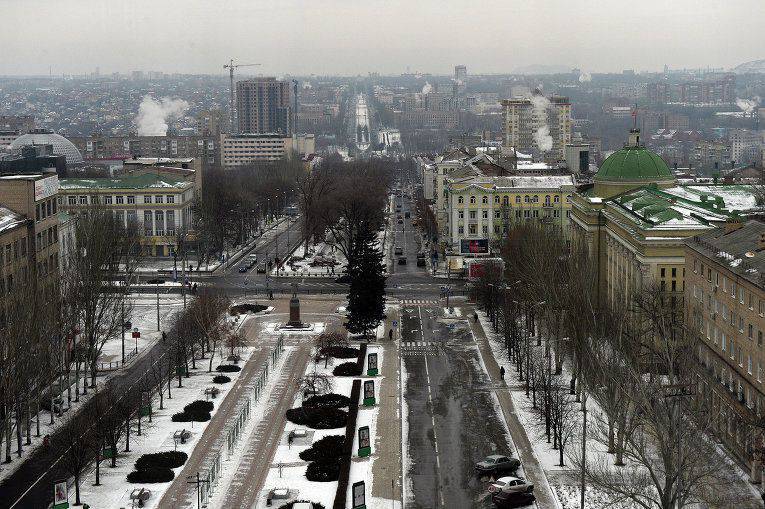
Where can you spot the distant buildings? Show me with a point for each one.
(204, 148)
(241, 149)
(263, 105)
(717, 89)
(745, 146)
(525, 119)
(18, 123)
(460, 72)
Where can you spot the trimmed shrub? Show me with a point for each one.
(340, 352)
(227, 368)
(240, 309)
(347, 369)
(314, 505)
(328, 447)
(197, 411)
(323, 471)
(221, 379)
(330, 400)
(151, 475)
(318, 417)
(166, 459)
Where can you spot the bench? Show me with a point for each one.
(181, 436)
(140, 495)
(211, 392)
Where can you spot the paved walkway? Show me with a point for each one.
(180, 493)
(386, 470)
(525, 452)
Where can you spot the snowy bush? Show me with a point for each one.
(167, 459)
(227, 368)
(340, 352)
(221, 379)
(318, 417)
(197, 411)
(151, 475)
(314, 505)
(330, 400)
(326, 470)
(328, 447)
(347, 369)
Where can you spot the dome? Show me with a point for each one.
(634, 163)
(61, 146)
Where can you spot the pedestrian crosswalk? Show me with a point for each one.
(419, 348)
(419, 302)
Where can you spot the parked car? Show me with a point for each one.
(496, 464)
(400, 221)
(344, 279)
(402, 260)
(511, 485)
(421, 262)
(244, 268)
(407, 214)
(398, 250)
(262, 268)
(506, 501)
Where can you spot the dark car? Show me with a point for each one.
(407, 214)
(402, 260)
(344, 279)
(262, 268)
(507, 500)
(497, 464)
(243, 268)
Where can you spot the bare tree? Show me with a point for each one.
(75, 444)
(328, 340)
(207, 314)
(315, 383)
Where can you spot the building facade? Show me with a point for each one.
(204, 148)
(725, 300)
(524, 117)
(241, 149)
(263, 105)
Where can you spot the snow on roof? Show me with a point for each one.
(9, 219)
(735, 197)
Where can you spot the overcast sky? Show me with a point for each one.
(388, 36)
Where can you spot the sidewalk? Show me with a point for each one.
(386, 470)
(525, 452)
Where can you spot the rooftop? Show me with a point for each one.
(739, 250)
(9, 219)
(146, 181)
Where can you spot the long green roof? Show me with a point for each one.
(633, 163)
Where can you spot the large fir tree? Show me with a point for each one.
(366, 296)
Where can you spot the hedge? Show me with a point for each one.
(314, 505)
(347, 369)
(345, 459)
(327, 470)
(330, 446)
(330, 400)
(318, 417)
(197, 411)
(221, 379)
(340, 352)
(151, 475)
(240, 309)
(227, 368)
(167, 459)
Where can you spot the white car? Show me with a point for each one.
(510, 485)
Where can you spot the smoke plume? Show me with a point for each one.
(153, 115)
(542, 138)
(428, 88)
(585, 77)
(748, 105)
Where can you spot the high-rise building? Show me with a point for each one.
(263, 106)
(525, 120)
(460, 72)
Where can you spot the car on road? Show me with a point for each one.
(402, 260)
(509, 485)
(243, 268)
(496, 464)
(407, 215)
(400, 221)
(262, 268)
(398, 250)
(343, 279)
(513, 500)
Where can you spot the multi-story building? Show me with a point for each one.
(659, 93)
(263, 106)
(714, 155)
(15, 249)
(33, 197)
(636, 217)
(19, 123)
(725, 300)
(160, 205)
(241, 149)
(745, 146)
(211, 123)
(204, 148)
(524, 117)
(460, 72)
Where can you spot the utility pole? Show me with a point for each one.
(230, 66)
(584, 445)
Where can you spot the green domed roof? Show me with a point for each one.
(634, 163)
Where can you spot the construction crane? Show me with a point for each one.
(230, 66)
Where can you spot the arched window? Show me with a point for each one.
(568, 198)
(496, 200)
(485, 200)
(517, 199)
(556, 199)
(460, 199)
(505, 200)
(547, 199)
(526, 199)
(472, 199)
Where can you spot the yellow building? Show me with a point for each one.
(636, 218)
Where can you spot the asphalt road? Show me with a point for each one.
(452, 419)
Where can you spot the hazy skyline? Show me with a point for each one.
(348, 38)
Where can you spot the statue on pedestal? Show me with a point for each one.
(294, 309)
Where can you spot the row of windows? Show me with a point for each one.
(729, 286)
(526, 199)
(45, 209)
(118, 199)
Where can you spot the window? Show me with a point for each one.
(485, 200)
(170, 217)
(526, 199)
(460, 199)
(485, 214)
(749, 364)
(132, 217)
(471, 214)
(517, 199)
(471, 229)
(120, 200)
(485, 229)
(517, 214)
(170, 198)
(732, 348)
(147, 198)
(71, 200)
(547, 200)
(108, 200)
(740, 295)
(159, 222)
(759, 371)
(505, 200)
(49, 208)
(461, 230)
(472, 199)
(759, 338)
(568, 198)
(158, 198)
(535, 199)
(460, 214)
(556, 199)
(527, 213)
(147, 223)
(83, 200)
(496, 214)
(37, 212)
(23, 247)
(120, 217)
(674, 272)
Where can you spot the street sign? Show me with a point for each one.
(369, 393)
(372, 364)
(359, 495)
(136, 333)
(365, 444)
(60, 495)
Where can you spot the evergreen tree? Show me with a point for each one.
(366, 295)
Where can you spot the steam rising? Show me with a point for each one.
(428, 88)
(585, 77)
(153, 115)
(748, 105)
(542, 138)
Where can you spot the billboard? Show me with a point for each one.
(474, 246)
(46, 187)
(477, 267)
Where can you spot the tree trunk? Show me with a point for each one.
(18, 430)
(98, 466)
(127, 434)
(114, 453)
(77, 489)
(611, 447)
(8, 432)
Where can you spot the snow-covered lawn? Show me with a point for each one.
(157, 436)
(316, 262)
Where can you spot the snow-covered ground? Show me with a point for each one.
(157, 436)
(318, 261)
